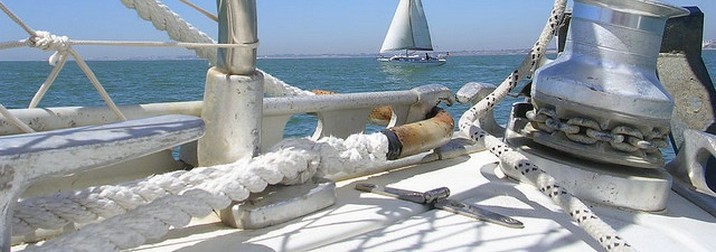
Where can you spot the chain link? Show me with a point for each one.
(587, 131)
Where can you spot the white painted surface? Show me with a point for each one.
(364, 221)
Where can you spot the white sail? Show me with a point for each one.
(409, 29)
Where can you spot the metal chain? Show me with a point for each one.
(587, 131)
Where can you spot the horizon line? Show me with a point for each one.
(456, 53)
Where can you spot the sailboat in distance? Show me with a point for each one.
(409, 32)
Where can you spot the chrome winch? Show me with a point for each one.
(598, 114)
(601, 98)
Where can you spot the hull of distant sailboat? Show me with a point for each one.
(413, 60)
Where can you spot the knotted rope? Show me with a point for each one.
(50, 42)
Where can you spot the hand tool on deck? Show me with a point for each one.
(438, 199)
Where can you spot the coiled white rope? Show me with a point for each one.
(148, 207)
(469, 124)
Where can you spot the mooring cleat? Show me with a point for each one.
(279, 203)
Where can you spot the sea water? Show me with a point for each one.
(133, 82)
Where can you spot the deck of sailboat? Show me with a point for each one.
(363, 221)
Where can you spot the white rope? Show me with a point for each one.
(158, 12)
(578, 211)
(14, 120)
(275, 87)
(160, 44)
(46, 41)
(200, 10)
(129, 230)
(49, 42)
(61, 45)
(95, 82)
(292, 161)
(16, 19)
(58, 65)
(179, 30)
(13, 44)
(91, 204)
(272, 85)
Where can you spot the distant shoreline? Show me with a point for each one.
(300, 56)
(372, 55)
(315, 56)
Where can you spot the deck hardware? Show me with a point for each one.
(603, 183)
(607, 73)
(473, 92)
(438, 199)
(279, 203)
(693, 169)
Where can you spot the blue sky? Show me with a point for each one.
(298, 26)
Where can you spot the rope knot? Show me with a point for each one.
(50, 42)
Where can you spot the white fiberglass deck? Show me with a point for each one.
(363, 221)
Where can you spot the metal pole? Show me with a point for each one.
(233, 97)
(237, 25)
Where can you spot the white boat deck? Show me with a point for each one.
(362, 221)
